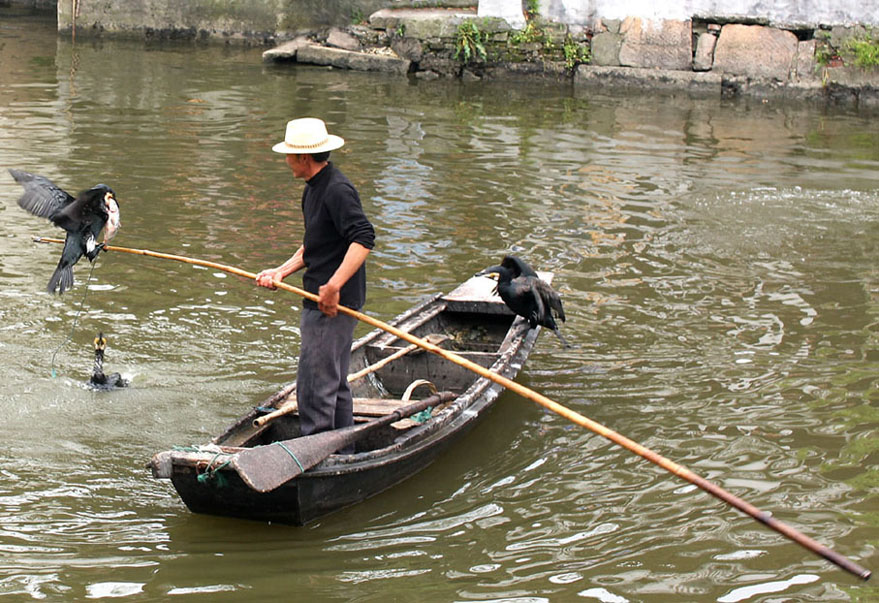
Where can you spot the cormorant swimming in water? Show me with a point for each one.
(527, 295)
(99, 380)
(83, 217)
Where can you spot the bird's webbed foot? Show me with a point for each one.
(91, 255)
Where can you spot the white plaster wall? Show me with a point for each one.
(509, 10)
(790, 13)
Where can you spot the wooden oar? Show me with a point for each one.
(264, 468)
(567, 413)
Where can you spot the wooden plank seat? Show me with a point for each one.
(366, 409)
(377, 407)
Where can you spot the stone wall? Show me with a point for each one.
(34, 4)
(789, 14)
(713, 57)
(711, 48)
(703, 58)
(255, 21)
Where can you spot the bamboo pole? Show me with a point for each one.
(563, 411)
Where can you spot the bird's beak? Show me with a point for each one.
(491, 273)
(113, 220)
(100, 342)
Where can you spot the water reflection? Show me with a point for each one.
(717, 265)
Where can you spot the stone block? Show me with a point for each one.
(806, 68)
(427, 75)
(340, 39)
(424, 29)
(606, 49)
(286, 51)
(345, 59)
(650, 80)
(421, 23)
(408, 48)
(755, 51)
(446, 67)
(612, 25)
(840, 34)
(704, 57)
(657, 44)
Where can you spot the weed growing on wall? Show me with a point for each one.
(862, 51)
(469, 42)
(575, 53)
(859, 50)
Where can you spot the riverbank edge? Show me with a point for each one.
(702, 57)
(697, 58)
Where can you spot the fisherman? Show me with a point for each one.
(338, 237)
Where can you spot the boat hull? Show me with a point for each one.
(207, 483)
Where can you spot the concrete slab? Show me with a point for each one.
(703, 84)
(391, 18)
(286, 51)
(346, 59)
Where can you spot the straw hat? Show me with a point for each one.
(307, 135)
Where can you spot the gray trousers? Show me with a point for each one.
(322, 389)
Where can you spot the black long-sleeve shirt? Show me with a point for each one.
(334, 219)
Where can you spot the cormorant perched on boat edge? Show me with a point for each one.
(99, 380)
(527, 294)
(83, 217)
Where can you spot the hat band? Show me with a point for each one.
(308, 146)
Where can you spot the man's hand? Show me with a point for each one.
(328, 299)
(267, 278)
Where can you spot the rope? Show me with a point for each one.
(212, 475)
(292, 456)
(75, 319)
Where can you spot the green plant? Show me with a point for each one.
(575, 53)
(824, 52)
(469, 42)
(862, 51)
(824, 55)
(531, 33)
(357, 17)
(401, 29)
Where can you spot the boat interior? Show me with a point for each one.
(387, 372)
(397, 373)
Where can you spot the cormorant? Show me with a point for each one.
(99, 380)
(527, 295)
(83, 217)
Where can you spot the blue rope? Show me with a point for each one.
(423, 416)
(292, 456)
(213, 475)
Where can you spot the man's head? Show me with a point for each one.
(307, 146)
(308, 136)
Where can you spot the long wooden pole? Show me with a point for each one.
(571, 415)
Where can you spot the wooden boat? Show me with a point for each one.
(473, 323)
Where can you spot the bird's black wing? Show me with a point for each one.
(76, 216)
(540, 310)
(549, 297)
(525, 300)
(41, 197)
